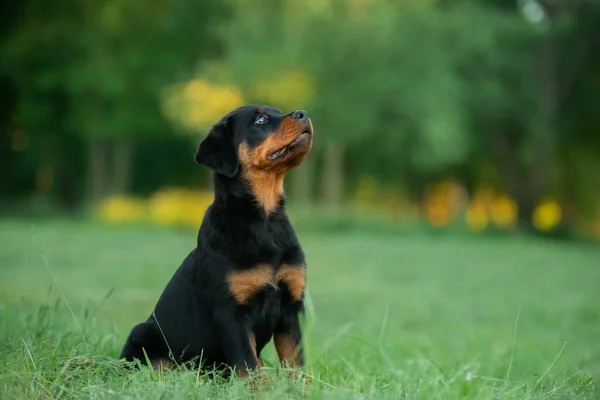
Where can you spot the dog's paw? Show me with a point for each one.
(256, 381)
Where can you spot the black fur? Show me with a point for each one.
(197, 317)
(217, 150)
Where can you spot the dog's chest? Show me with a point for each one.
(288, 280)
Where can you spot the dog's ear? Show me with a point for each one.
(217, 150)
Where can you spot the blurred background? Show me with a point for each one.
(478, 115)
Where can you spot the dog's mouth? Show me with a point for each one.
(302, 138)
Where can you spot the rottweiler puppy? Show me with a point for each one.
(244, 282)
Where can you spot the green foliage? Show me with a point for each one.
(96, 70)
(406, 91)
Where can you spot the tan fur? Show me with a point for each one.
(286, 350)
(261, 379)
(162, 365)
(295, 279)
(266, 176)
(267, 186)
(244, 284)
(252, 340)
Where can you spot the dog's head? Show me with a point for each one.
(256, 137)
(258, 142)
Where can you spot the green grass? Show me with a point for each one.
(389, 317)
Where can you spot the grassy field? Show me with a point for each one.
(389, 317)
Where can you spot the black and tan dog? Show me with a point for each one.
(244, 282)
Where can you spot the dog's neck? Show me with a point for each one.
(256, 190)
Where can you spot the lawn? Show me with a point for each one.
(389, 317)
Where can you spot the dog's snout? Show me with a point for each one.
(300, 115)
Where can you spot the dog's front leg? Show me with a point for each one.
(238, 343)
(288, 337)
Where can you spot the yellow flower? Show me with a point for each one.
(169, 206)
(443, 201)
(121, 209)
(179, 207)
(163, 208)
(476, 217)
(198, 104)
(547, 215)
(503, 211)
(438, 214)
(193, 208)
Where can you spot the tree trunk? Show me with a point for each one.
(97, 170)
(528, 182)
(332, 179)
(301, 182)
(546, 132)
(122, 165)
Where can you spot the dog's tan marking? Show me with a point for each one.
(162, 365)
(252, 340)
(294, 278)
(265, 175)
(266, 186)
(245, 284)
(287, 350)
(258, 359)
(261, 378)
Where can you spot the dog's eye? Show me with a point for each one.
(261, 119)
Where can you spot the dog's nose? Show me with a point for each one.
(300, 115)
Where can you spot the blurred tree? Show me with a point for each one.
(261, 60)
(287, 62)
(104, 81)
(137, 54)
(38, 41)
(483, 91)
(401, 102)
(386, 84)
(517, 99)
